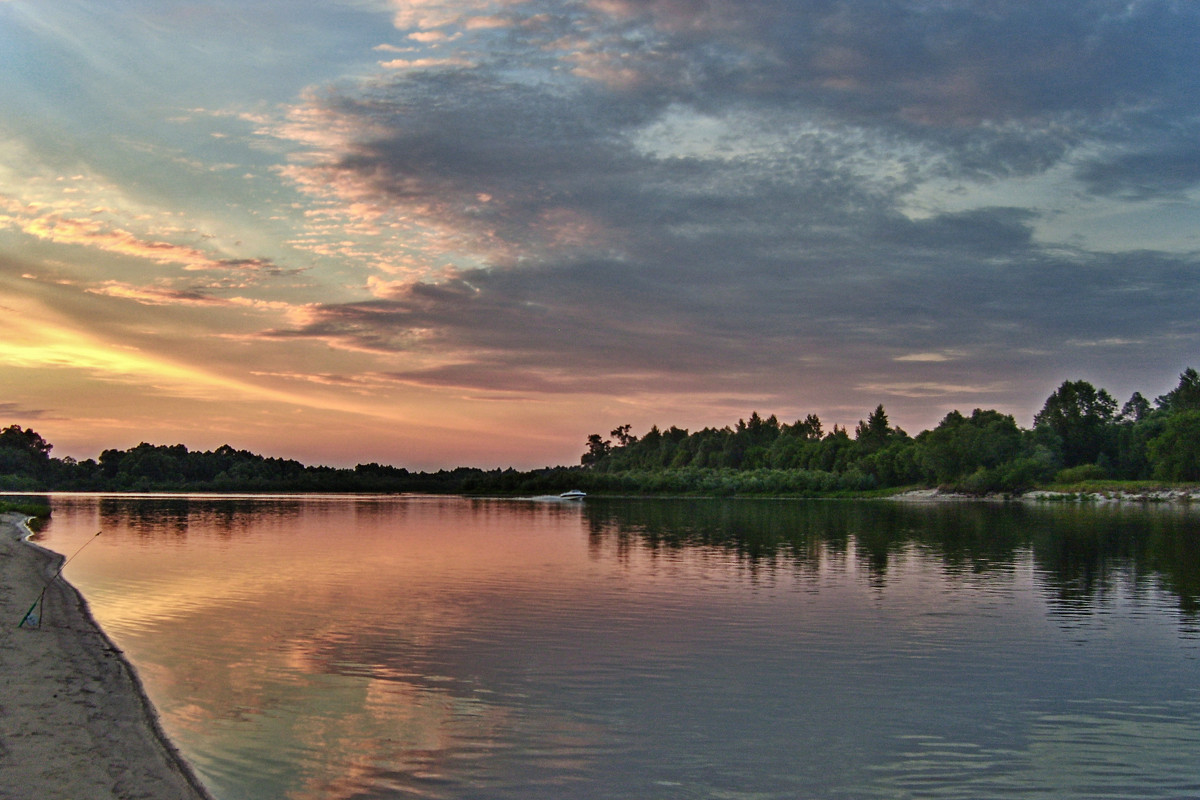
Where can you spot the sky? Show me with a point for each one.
(433, 233)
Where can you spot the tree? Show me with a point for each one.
(1135, 410)
(1185, 396)
(598, 448)
(622, 435)
(1082, 417)
(834, 453)
(894, 464)
(23, 452)
(875, 432)
(960, 446)
(809, 428)
(646, 453)
(1175, 453)
(15, 437)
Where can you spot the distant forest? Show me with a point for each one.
(1079, 434)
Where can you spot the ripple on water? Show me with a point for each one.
(1096, 749)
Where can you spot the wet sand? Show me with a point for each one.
(74, 721)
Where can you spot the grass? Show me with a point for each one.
(39, 511)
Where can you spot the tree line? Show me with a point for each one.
(1079, 434)
(26, 465)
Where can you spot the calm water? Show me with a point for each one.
(318, 648)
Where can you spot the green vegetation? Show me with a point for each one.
(26, 465)
(1078, 438)
(31, 508)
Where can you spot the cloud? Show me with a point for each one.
(155, 296)
(931, 358)
(96, 234)
(197, 297)
(952, 89)
(20, 412)
(927, 389)
(668, 199)
(1167, 170)
(698, 194)
(608, 328)
(425, 63)
(83, 211)
(426, 14)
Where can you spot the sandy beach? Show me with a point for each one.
(74, 721)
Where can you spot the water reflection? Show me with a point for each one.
(313, 647)
(1080, 551)
(176, 517)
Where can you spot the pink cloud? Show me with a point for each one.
(420, 63)
(54, 226)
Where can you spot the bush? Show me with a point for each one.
(1084, 472)
(983, 481)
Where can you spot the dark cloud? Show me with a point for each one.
(729, 207)
(980, 233)
(19, 412)
(942, 64)
(602, 327)
(1169, 170)
(1002, 88)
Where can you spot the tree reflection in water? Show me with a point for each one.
(1079, 551)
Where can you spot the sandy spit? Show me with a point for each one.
(75, 723)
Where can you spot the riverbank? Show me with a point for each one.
(1185, 495)
(74, 721)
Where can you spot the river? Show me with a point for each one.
(320, 648)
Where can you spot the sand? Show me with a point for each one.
(74, 721)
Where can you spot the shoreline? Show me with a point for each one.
(75, 721)
(1046, 496)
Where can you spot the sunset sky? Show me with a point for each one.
(430, 233)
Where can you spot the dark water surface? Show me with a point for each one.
(321, 648)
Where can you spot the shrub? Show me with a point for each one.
(1083, 472)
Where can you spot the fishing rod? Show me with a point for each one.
(34, 620)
